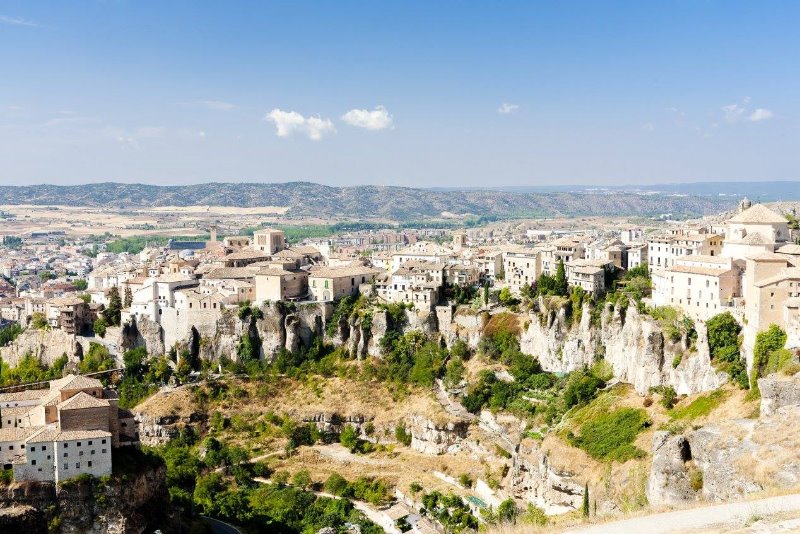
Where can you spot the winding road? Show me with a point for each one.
(721, 517)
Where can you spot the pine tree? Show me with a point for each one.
(585, 507)
(486, 294)
(128, 297)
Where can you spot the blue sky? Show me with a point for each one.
(403, 93)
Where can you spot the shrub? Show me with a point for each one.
(723, 332)
(349, 438)
(465, 480)
(581, 388)
(772, 339)
(402, 435)
(610, 436)
(336, 484)
(533, 515)
(668, 396)
(701, 406)
(696, 479)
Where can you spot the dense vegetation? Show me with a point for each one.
(610, 436)
(724, 343)
(222, 483)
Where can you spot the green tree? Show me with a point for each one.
(507, 511)
(80, 284)
(336, 484)
(302, 479)
(486, 294)
(128, 297)
(561, 286)
(723, 331)
(39, 321)
(113, 312)
(99, 327)
(768, 341)
(585, 506)
(349, 438)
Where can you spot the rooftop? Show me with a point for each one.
(758, 214)
(82, 400)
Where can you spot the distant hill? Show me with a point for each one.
(756, 191)
(396, 203)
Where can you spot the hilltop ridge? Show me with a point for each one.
(392, 202)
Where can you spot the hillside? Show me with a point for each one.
(390, 202)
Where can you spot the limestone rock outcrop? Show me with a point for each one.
(735, 458)
(778, 391)
(669, 481)
(46, 345)
(532, 479)
(430, 437)
(137, 504)
(631, 342)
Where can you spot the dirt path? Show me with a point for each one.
(721, 517)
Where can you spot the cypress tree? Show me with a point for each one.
(586, 500)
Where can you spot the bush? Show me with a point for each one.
(772, 339)
(610, 436)
(336, 484)
(402, 435)
(696, 479)
(723, 332)
(581, 388)
(349, 438)
(533, 515)
(668, 396)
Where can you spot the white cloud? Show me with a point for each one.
(377, 119)
(290, 122)
(649, 127)
(733, 112)
(17, 21)
(506, 108)
(218, 105)
(760, 114)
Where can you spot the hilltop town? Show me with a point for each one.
(495, 343)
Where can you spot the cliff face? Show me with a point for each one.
(778, 391)
(134, 505)
(731, 459)
(46, 345)
(632, 343)
(533, 479)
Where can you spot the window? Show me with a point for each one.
(90, 463)
(92, 451)
(79, 444)
(77, 465)
(103, 451)
(33, 462)
(66, 466)
(33, 448)
(66, 445)
(66, 454)
(103, 442)
(44, 447)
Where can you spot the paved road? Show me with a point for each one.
(719, 516)
(220, 527)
